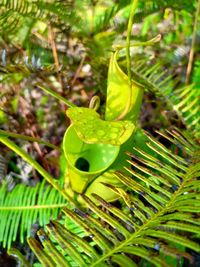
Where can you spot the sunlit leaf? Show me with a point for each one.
(92, 129)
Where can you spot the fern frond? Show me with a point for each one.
(153, 77)
(24, 206)
(12, 12)
(62, 13)
(23, 71)
(163, 192)
(185, 101)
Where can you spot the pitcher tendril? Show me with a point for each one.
(128, 57)
(94, 103)
(128, 39)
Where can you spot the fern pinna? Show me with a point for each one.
(183, 101)
(160, 204)
(24, 206)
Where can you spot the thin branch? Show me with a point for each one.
(192, 50)
(53, 46)
(55, 54)
(78, 70)
(128, 39)
(56, 95)
(154, 40)
(128, 57)
(27, 138)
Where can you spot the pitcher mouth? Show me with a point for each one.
(88, 158)
(82, 164)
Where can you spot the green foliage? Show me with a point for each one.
(184, 101)
(153, 77)
(13, 12)
(156, 218)
(24, 206)
(159, 207)
(196, 75)
(170, 3)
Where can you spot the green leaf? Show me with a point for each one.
(50, 248)
(175, 238)
(123, 260)
(58, 231)
(123, 99)
(145, 254)
(183, 227)
(40, 253)
(92, 129)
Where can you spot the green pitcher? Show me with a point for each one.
(86, 161)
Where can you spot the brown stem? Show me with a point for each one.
(55, 54)
(78, 70)
(191, 56)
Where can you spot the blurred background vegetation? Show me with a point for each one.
(66, 46)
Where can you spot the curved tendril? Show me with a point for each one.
(94, 103)
(152, 41)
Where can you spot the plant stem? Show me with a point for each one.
(191, 56)
(78, 70)
(33, 207)
(55, 54)
(56, 95)
(147, 43)
(128, 58)
(128, 39)
(36, 166)
(27, 138)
